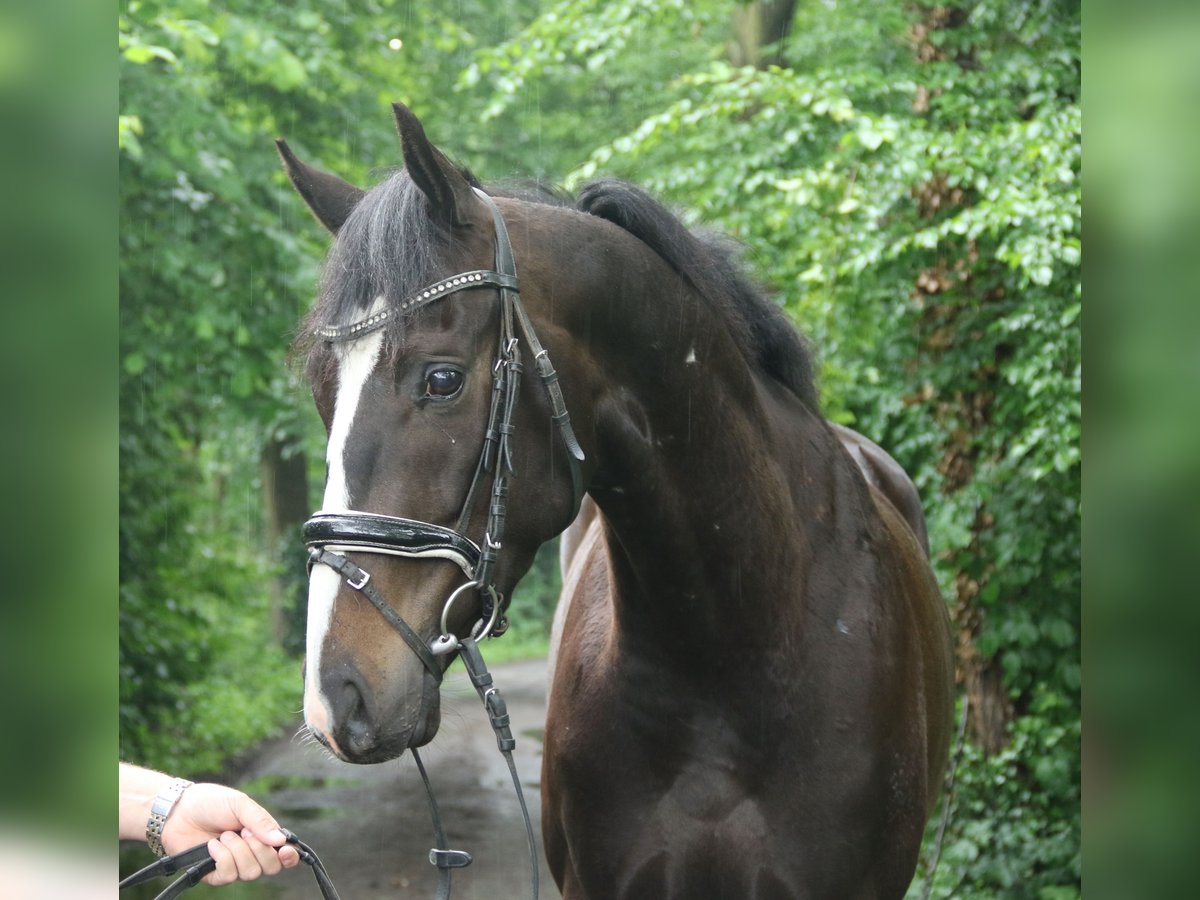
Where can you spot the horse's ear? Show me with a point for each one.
(448, 190)
(330, 199)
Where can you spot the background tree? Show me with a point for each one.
(215, 263)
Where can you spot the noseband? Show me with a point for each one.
(329, 535)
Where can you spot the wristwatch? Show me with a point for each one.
(160, 809)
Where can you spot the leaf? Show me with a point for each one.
(287, 72)
(144, 53)
(242, 383)
(128, 129)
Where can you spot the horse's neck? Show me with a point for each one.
(719, 487)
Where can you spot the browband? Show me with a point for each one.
(361, 328)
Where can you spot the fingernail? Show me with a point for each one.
(276, 835)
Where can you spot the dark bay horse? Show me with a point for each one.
(752, 683)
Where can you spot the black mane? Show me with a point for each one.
(390, 246)
(710, 263)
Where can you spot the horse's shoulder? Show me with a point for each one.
(581, 566)
(888, 478)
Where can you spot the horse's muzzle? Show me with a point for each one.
(363, 726)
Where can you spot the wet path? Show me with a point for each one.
(370, 824)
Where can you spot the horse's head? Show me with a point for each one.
(417, 345)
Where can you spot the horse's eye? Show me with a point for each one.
(443, 383)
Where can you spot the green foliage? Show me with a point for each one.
(214, 269)
(536, 596)
(1008, 835)
(608, 74)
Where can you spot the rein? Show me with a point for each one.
(195, 863)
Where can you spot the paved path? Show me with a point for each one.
(370, 824)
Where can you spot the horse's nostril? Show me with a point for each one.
(352, 717)
(368, 725)
(359, 736)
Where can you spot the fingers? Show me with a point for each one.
(250, 842)
(257, 820)
(289, 856)
(226, 870)
(267, 856)
(244, 858)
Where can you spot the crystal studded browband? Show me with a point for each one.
(372, 323)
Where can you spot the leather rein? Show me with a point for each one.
(330, 535)
(195, 863)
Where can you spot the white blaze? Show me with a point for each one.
(355, 366)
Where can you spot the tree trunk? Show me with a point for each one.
(982, 677)
(757, 30)
(284, 471)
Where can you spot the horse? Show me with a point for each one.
(751, 685)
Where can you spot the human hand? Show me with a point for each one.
(243, 838)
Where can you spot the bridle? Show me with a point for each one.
(330, 535)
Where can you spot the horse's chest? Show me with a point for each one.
(703, 836)
(706, 791)
(695, 800)
(674, 811)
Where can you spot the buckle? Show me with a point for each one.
(450, 859)
(361, 583)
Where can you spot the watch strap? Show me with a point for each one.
(160, 809)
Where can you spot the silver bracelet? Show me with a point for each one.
(160, 809)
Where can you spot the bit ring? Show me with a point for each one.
(480, 629)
